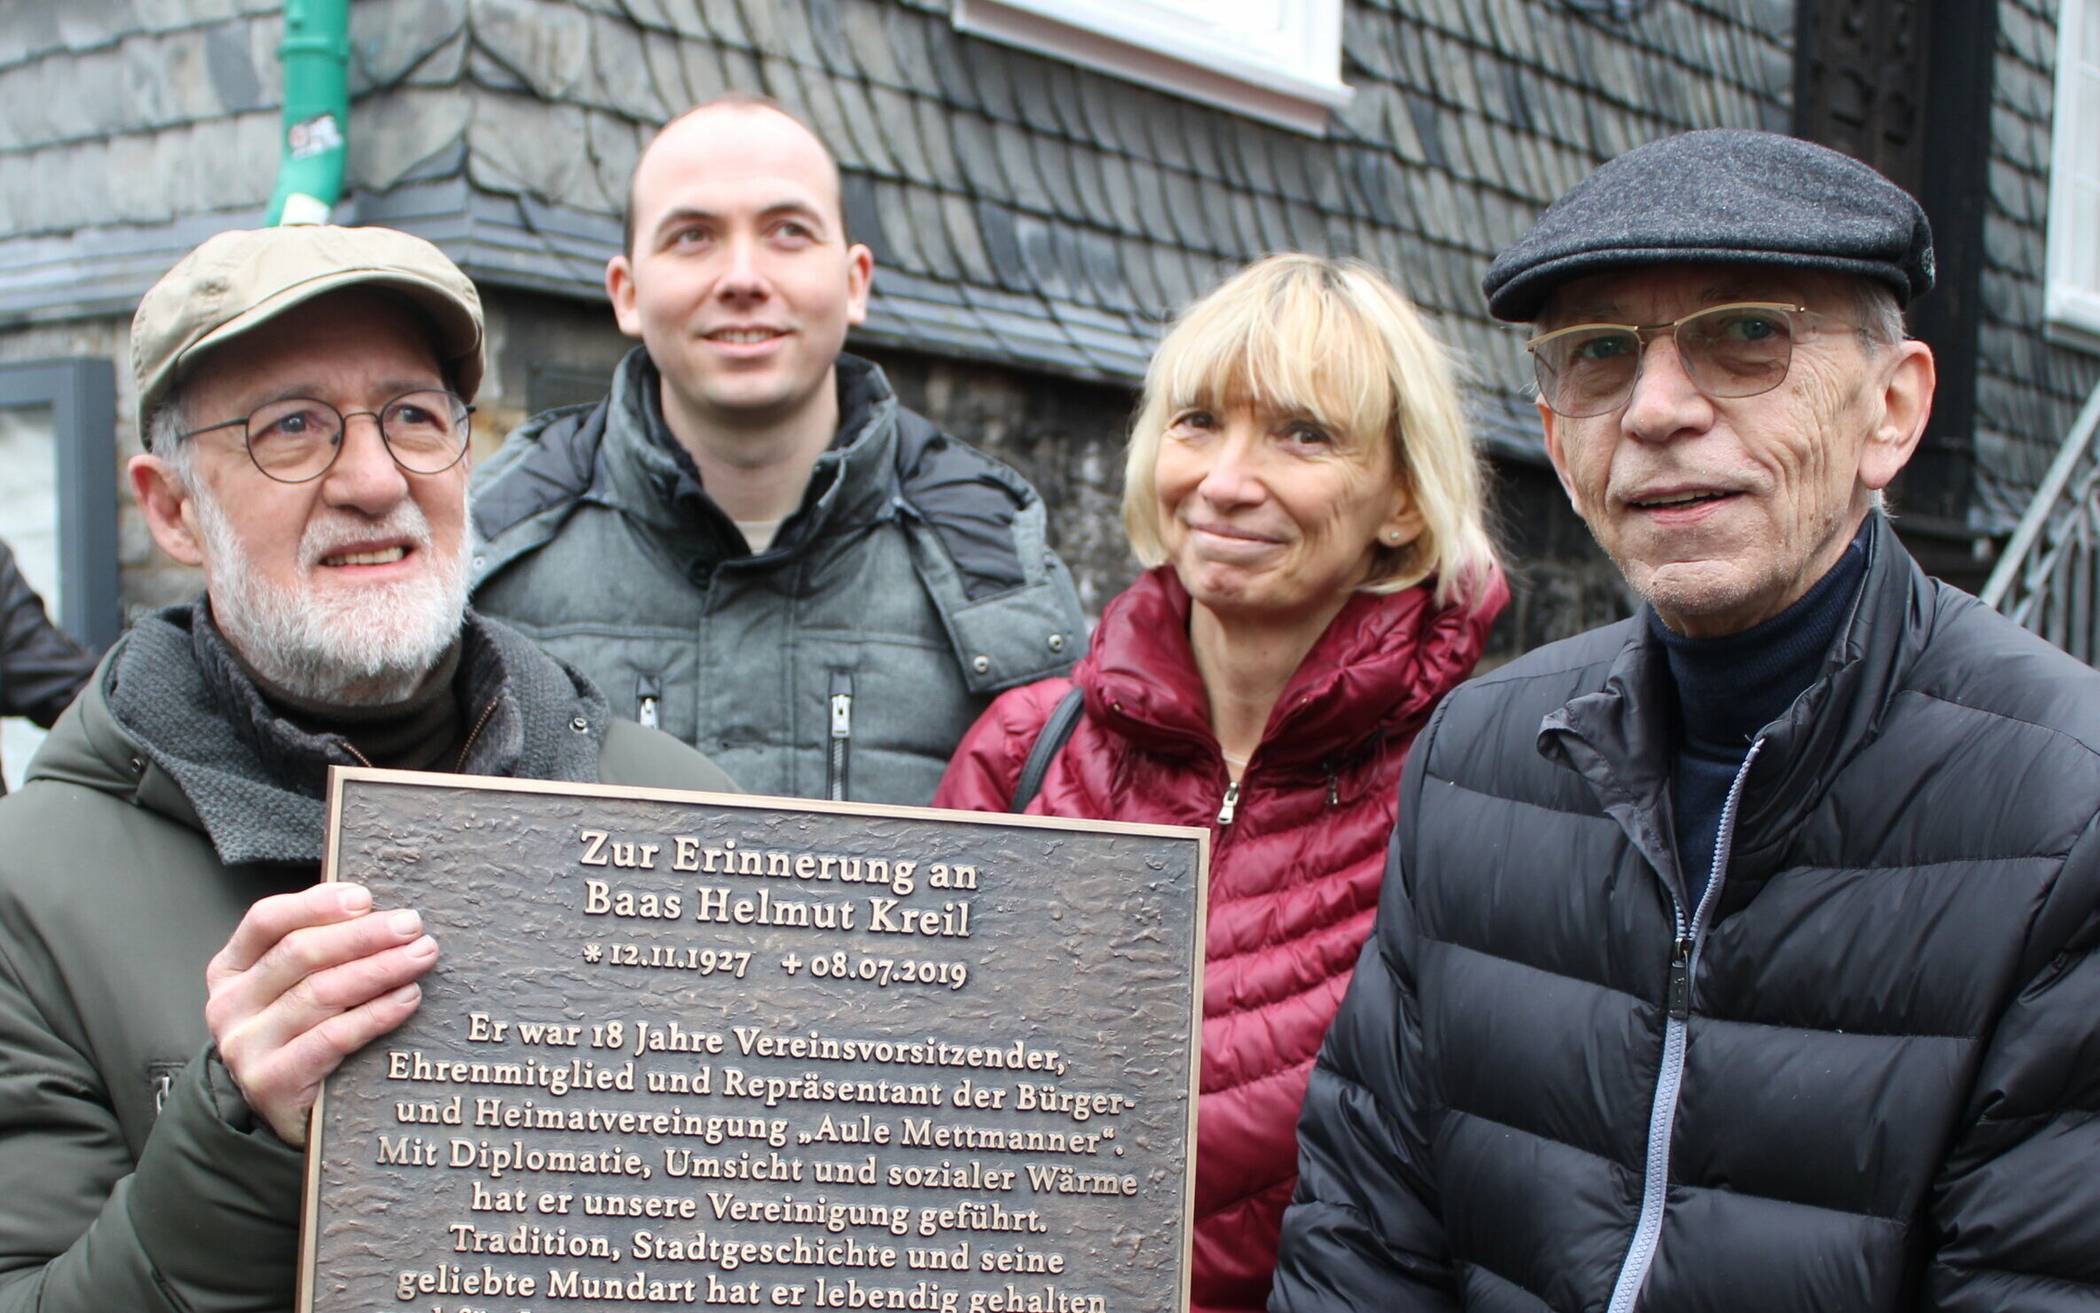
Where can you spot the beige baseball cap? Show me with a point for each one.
(238, 281)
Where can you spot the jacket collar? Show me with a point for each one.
(1618, 737)
(1377, 671)
(648, 476)
(151, 729)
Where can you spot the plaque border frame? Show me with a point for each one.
(341, 776)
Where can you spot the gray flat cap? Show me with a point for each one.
(1722, 196)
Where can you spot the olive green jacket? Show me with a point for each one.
(133, 1179)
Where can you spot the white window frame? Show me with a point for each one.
(2068, 305)
(1295, 82)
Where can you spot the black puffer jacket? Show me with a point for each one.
(1865, 1075)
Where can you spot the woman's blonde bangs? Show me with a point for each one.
(1333, 340)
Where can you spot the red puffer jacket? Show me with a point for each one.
(1294, 873)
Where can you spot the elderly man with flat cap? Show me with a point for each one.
(1739, 955)
(174, 984)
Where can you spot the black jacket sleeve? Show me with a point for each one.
(1363, 1230)
(2016, 1207)
(41, 667)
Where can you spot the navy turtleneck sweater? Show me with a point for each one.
(1729, 688)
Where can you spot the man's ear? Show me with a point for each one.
(1550, 422)
(860, 276)
(1905, 405)
(166, 502)
(619, 289)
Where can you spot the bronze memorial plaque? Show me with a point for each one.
(694, 1050)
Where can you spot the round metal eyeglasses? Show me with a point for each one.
(1736, 350)
(296, 440)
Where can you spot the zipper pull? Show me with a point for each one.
(646, 691)
(1232, 801)
(1680, 1000)
(1334, 789)
(835, 760)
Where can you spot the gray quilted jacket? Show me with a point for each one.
(847, 660)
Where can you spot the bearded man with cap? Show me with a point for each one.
(1739, 955)
(174, 984)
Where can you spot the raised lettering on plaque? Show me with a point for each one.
(698, 1051)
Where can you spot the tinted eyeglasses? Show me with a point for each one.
(297, 439)
(1734, 350)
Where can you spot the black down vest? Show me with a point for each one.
(1864, 1075)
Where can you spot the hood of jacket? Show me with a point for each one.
(1376, 672)
(643, 473)
(150, 728)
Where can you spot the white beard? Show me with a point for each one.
(367, 647)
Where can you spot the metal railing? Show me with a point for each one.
(2048, 577)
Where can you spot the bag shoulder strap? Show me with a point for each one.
(1064, 718)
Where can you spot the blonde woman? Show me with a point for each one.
(1302, 483)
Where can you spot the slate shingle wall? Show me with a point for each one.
(1033, 222)
(2028, 387)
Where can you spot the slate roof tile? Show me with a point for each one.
(1185, 205)
(1024, 181)
(1062, 89)
(535, 148)
(977, 151)
(936, 136)
(890, 115)
(830, 37)
(704, 75)
(876, 142)
(1090, 187)
(911, 46)
(670, 91)
(742, 70)
(641, 13)
(538, 48)
(405, 137)
(1053, 164)
(1031, 92)
(959, 222)
(614, 143)
(1141, 276)
(952, 78)
(1100, 261)
(622, 77)
(1277, 232)
(864, 32)
(1239, 213)
(391, 39)
(684, 18)
(919, 211)
(1002, 245)
(820, 99)
(1097, 112)
(1195, 137)
(1043, 263)
(725, 19)
(766, 26)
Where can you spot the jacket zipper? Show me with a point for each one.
(460, 766)
(1230, 803)
(1669, 1079)
(647, 690)
(841, 743)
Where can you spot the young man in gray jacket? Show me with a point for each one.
(750, 542)
(305, 396)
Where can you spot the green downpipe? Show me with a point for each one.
(316, 55)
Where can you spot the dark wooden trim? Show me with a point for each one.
(82, 395)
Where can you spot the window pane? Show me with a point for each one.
(29, 509)
(2085, 249)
